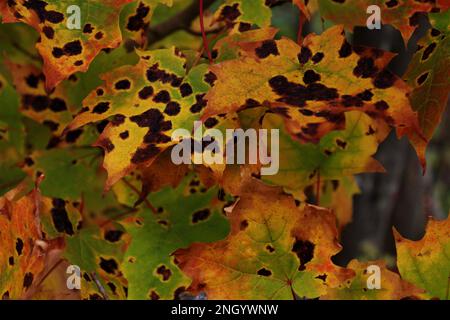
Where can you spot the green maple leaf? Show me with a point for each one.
(187, 214)
(426, 262)
(332, 158)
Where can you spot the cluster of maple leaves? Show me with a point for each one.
(86, 177)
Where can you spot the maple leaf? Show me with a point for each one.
(426, 262)
(392, 286)
(194, 216)
(332, 158)
(66, 51)
(21, 259)
(402, 14)
(428, 73)
(74, 165)
(274, 251)
(146, 102)
(308, 87)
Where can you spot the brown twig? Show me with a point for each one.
(201, 50)
(204, 37)
(147, 203)
(301, 23)
(53, 268)
(183, 21)
(318, 188)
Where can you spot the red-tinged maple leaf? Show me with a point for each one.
(275, 250)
